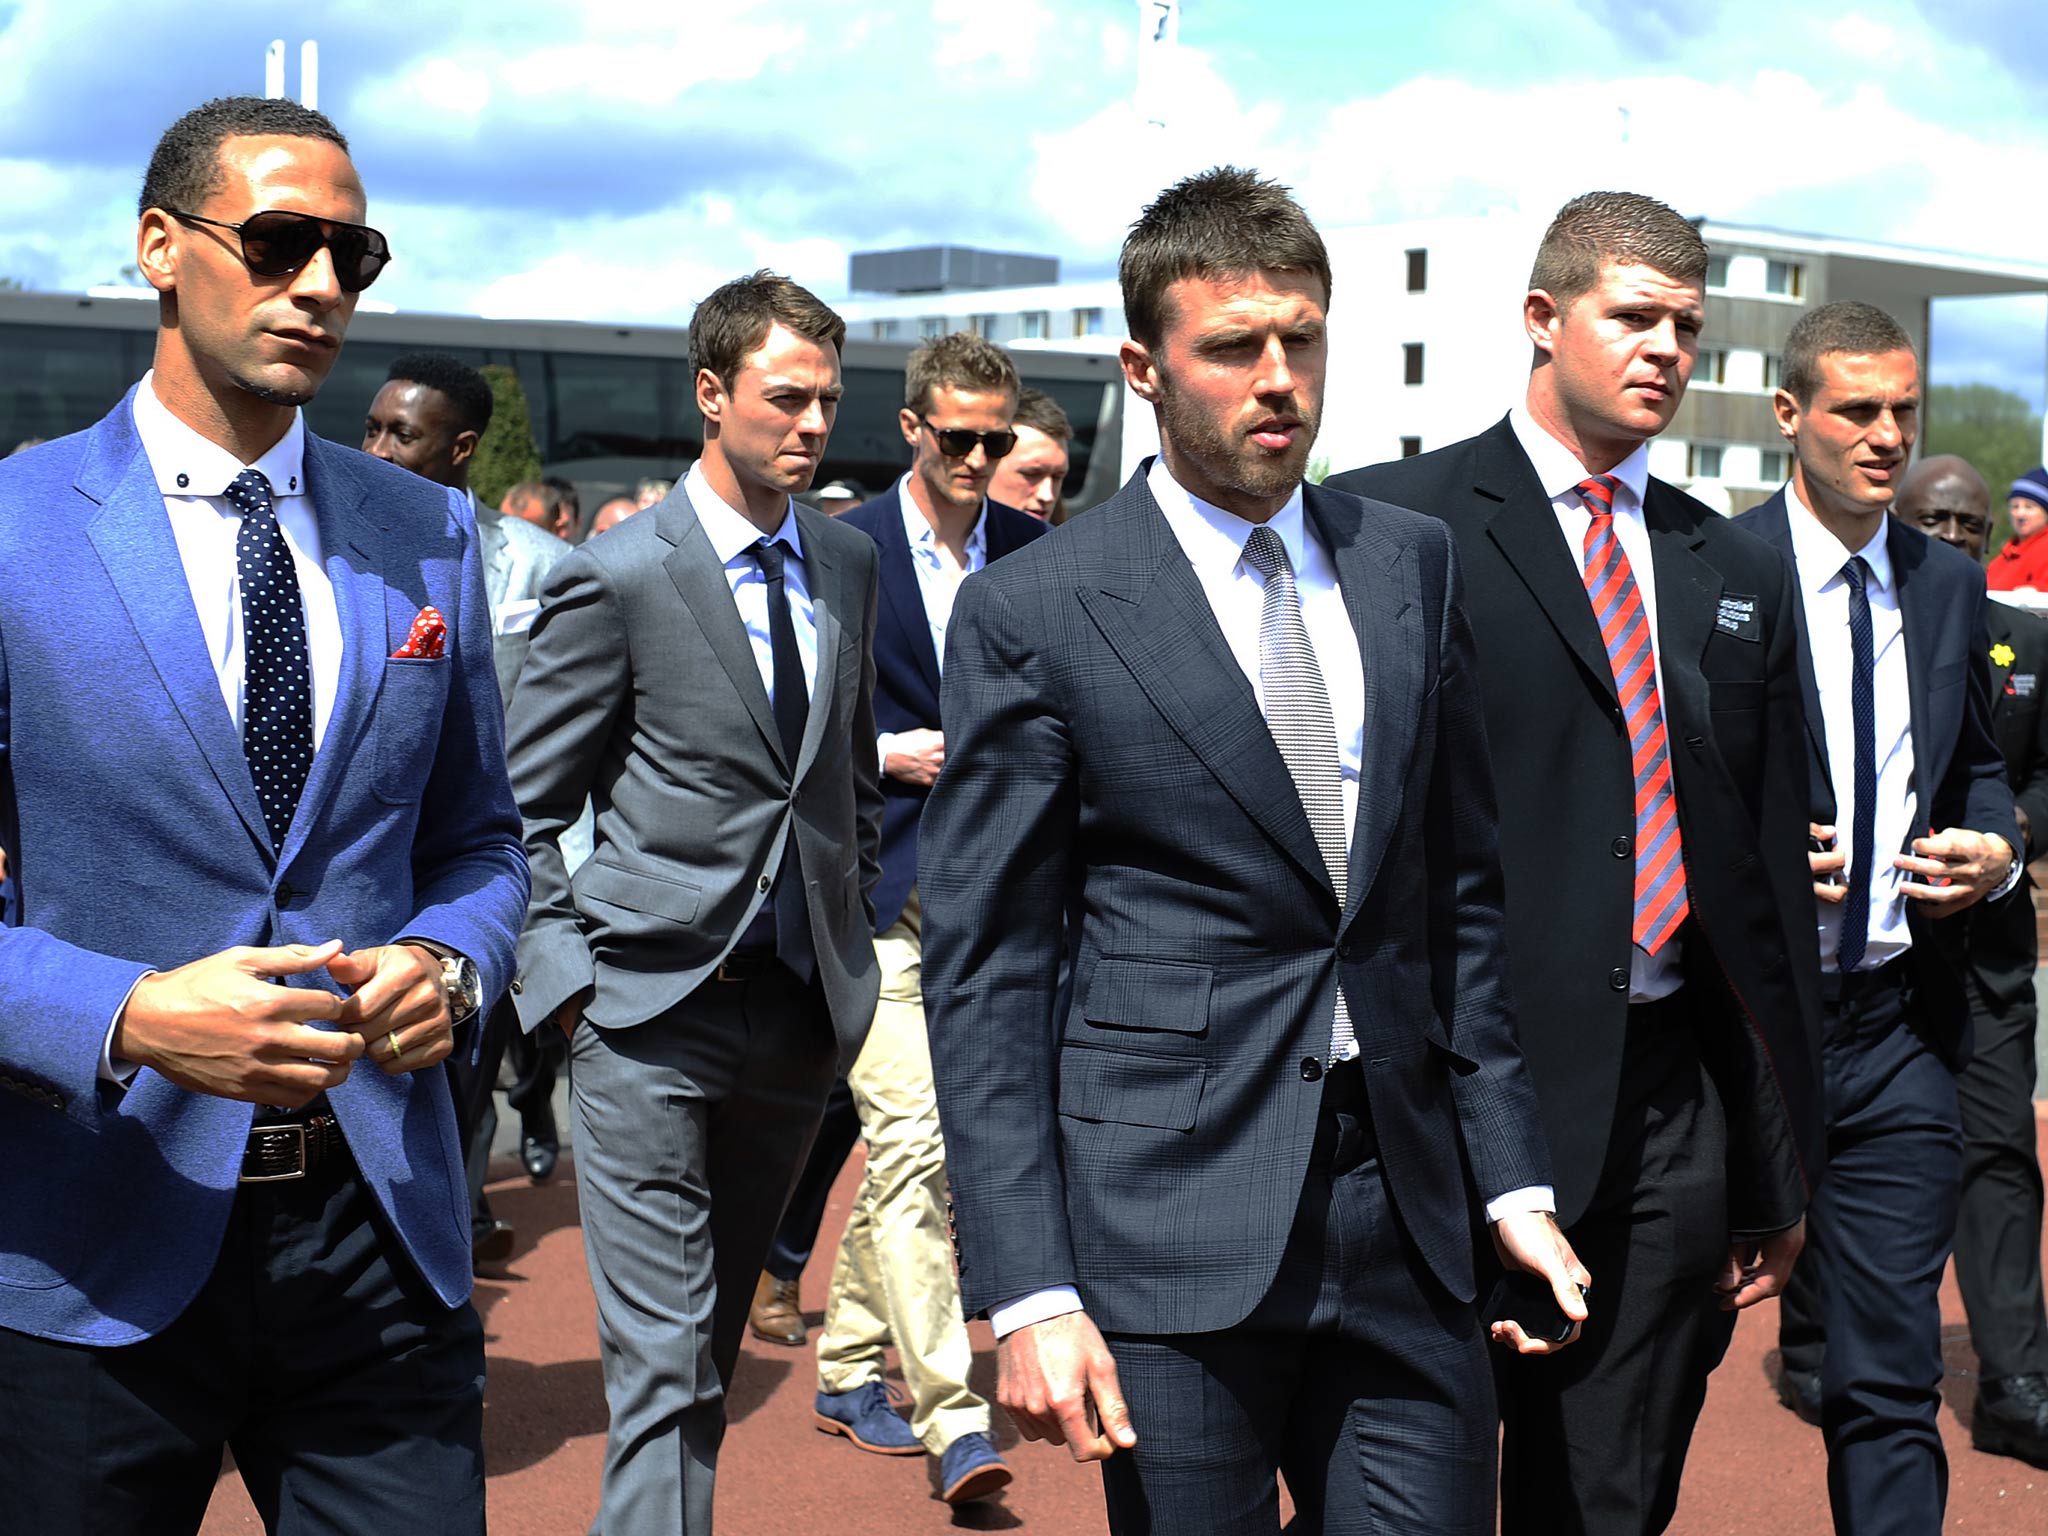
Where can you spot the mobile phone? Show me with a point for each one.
(1526, 1299)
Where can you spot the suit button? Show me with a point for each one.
(1620, 847)
(1618, 978)
(762, 883)
(516, 987)
(1311, 1069)
(796, 797)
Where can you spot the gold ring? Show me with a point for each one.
(396, 1049)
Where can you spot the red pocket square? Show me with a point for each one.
(429, 637)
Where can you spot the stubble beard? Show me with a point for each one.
(1241, 467)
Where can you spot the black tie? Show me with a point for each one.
(792, 706)
(1863, 714)
(277, 679)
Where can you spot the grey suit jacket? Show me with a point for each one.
(641, 692)
(517, 559)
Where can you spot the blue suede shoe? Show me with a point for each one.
(867, 1418)
(970, 1469)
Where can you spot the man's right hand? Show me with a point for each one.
(1057, 1381)
(916, 757)
(570, 1014)
(222, 1026)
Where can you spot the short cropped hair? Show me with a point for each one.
(468, 391)
(1624, 228)
(1847, 325)
(539, 493)
(567, 497)
(185, 169)
(962, 361)
(730, 325)
(1035, 408)
(1223, 223)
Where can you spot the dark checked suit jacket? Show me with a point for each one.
(1111, 783)
(1958, 775)
(1565, 776)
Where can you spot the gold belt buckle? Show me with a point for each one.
(294, 1173)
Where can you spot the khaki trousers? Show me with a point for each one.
(893, 1280)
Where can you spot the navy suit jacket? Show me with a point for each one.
(1958, 773)
(133, 831)
(1145, 1135)
(907, 673)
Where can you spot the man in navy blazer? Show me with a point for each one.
(1913, 823)
(249, 735)
(894, 1276)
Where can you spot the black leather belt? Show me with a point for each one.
(1845, 992)
(744, 965)
(292, 1149)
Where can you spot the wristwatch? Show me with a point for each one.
(462, 986)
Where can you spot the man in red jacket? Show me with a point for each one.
(2023, 561)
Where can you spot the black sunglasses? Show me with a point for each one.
(276, 243)
(958, 442)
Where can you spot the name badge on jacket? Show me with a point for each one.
(1737, 616)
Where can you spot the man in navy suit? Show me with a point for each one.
(1913, 823)
(252, 787)
(894, 1275)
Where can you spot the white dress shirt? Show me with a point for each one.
(938, 584)
(1820, 557)
(1559, 472)
(732, 540)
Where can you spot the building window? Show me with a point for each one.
(1717, 271)
(929, 326)
(885, 330)
(981, 325)
(1785, 277)
(1711, 366)
(1035, 327)
(1411, 363)
(1771, 466)
(1418, 271)
(1774, 374)
(1087, 322)
(1702, 461)
(1410, 447)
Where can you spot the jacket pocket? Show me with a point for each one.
(1124, 1088)
(1149, 994)
(636, 891)
(1455, 1059)
(410, 707)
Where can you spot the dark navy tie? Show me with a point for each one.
(792, 707)
(277, 679)
(1863, 711)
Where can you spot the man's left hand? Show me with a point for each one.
(397, 1004)
(1757, 1271)
(1532, 1240)
(1972, 865)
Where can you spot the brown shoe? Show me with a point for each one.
(775, 1315)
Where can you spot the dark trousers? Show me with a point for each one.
(476, 1117)
(1878, 1237)
(1359, 1379)
(1998, 1229)
(1594, 1438)
(797, 1234)
(536, 1060)
(352, 1399)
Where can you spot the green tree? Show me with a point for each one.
(12, 285)
(508, 454)
(1995, 429)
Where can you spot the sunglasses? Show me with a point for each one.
(958, 442)
(276, 243)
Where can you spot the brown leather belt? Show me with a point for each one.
(292, 1149)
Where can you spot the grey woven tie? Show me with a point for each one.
(1297, 708)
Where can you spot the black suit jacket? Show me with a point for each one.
(2003, 949)
(1148, 1140)
(1564, 773)
(907, 672)
(1958, 775)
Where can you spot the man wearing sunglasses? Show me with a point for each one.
(252, 786)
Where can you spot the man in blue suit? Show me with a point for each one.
(252, 789)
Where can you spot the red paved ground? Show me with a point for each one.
(1754, 1467)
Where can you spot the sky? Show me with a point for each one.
(616, 159)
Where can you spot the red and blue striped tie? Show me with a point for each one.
(1661, 904)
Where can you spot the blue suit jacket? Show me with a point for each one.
(132, 827)
(907, 673)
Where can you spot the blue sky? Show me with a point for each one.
(615, 159)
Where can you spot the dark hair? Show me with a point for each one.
(567, 496)
(962, 361)
(1223, 223)
(185, 170)
(1035, 408)
(1626, 228)
(1847, 325)
(732, 323)
(468, 391)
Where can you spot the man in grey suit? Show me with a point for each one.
(703, 672)
(1215, 751)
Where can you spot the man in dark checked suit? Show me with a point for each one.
(1217, 745)
(1914, 823)
(1651, 792)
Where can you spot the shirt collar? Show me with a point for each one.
(923, 537)
(730, 532)
(186, 464)
(1820, 555)
(1559, 471)
(1212, 538)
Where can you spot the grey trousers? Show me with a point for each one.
(690, 1129)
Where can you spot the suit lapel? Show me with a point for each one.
(693, 565)
(2001, 671)
(1771, 522)
(831, 603)
(1688, 598)
(1920, 619)
(903, 606)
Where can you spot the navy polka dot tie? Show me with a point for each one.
(277, 679)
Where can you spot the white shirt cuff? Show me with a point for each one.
(884, 745)
(1038, 1307)
(1522, 1202)
(112, 1071)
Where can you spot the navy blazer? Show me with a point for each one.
(907, 672)
(1958, 773)
(136, 842)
